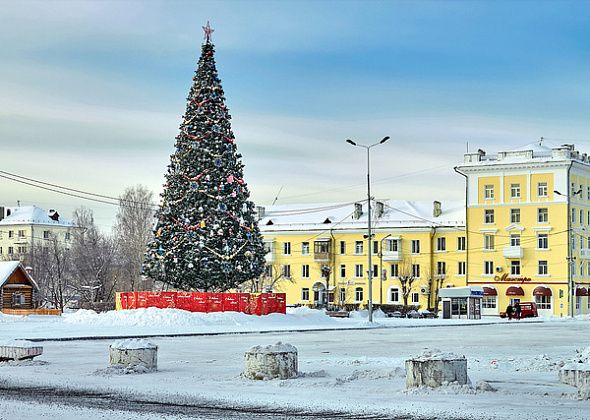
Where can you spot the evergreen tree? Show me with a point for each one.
(206, 236)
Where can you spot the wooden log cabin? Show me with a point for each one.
(17, 287)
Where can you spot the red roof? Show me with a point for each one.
(514, 291)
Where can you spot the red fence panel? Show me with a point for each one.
(215, 302)
(231, 302)
(184, 301)
(141, 300)
(168, 299)
(200, 303)
(244, 303)
(281, 303)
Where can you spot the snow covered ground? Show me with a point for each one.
(359, 371)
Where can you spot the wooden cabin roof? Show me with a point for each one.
(13, 272)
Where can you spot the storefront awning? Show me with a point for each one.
(514, 291)
(542, 291)
(490, 291)
(581, 291)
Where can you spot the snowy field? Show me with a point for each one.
(358, 372)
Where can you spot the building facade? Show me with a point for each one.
(528, 221)
(24, 227)
(320, 255)
(522, 234)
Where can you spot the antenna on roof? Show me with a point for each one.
(467, 146)
(541, 141)
(18, 203)
(277, 197)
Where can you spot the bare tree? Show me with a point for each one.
(270, 279)
(407, 277)
(133, 231)
(52, 271)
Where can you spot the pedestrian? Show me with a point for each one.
(517, 310)
(509, 311)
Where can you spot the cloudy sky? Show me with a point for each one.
(91, 92)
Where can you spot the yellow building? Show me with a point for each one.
(528, 215)
(318, 253)
(25, 227)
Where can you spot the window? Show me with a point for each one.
(515, 267)
(358, 270)
(573, 242)
(543, 271)
(542, 189)
(488, 216)
(287, 248)
(488, 267)
(542, 241)
(358, 247)
(68, 237)
(342, 294)
(18, 299)
(375, 271)
(11, 233)
(1, 254)
(304, 248)
(10, 250)
(394, 295)
(543, 302)
(578, 302)
(305, 293)
(461, 268)
(322, 247)
(22, 249)
(461, 243)
(441, 244)
(375, 247)
(515, 191)
(342, 270)
(543, 215)
(392, 245)
(342, 247)
(416, 270)
(358, 294)
(488, 242)
(581, 217)
(588, 195)
(489, 302)
(573, 215)
(587, 220)
(287, 271)
(45, 234)
(305, 271)
(515, 240)
(415, 298)
(488, 192)
(514, 215)
(21, 234)
(573, 189)
(415, 246)
(268, 270)
(441, 267)
(395, 270)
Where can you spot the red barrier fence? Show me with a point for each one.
(248, 303)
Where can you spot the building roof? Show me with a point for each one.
(9, 267)
(32, 215)
(396, 214)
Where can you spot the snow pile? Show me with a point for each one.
(377, 314)
(133, 344)
(274, 348)
(539, 363)
(23, 344)
(436, 354)
(368, 374)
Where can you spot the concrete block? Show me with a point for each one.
(576, 374)
(271, 362)
(134, 353)
(19, 350)
(435, 369)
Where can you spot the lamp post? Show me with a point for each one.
(369, 235)
(570, 258)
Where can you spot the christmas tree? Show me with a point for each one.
(206, 236)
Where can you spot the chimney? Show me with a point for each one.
(260, 212)
(379, 208)
(436, 209)
(358, 211)
(2, 213)
(53, 215)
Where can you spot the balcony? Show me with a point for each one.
(585, 254)
(513, 252)
(392, 256)
(321, 256)
(322, 250)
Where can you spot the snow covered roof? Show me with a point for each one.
(396, 214)
(32, 215)
(9, 267)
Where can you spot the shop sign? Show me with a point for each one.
(505, 277)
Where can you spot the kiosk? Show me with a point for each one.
(461, 302)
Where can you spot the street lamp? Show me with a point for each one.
(570, 258)
(369, 234)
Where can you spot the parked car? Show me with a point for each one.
(426, 314)
(394, 314)
(527, 310)
(413, 314)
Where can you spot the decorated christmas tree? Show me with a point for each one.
(206, 236)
